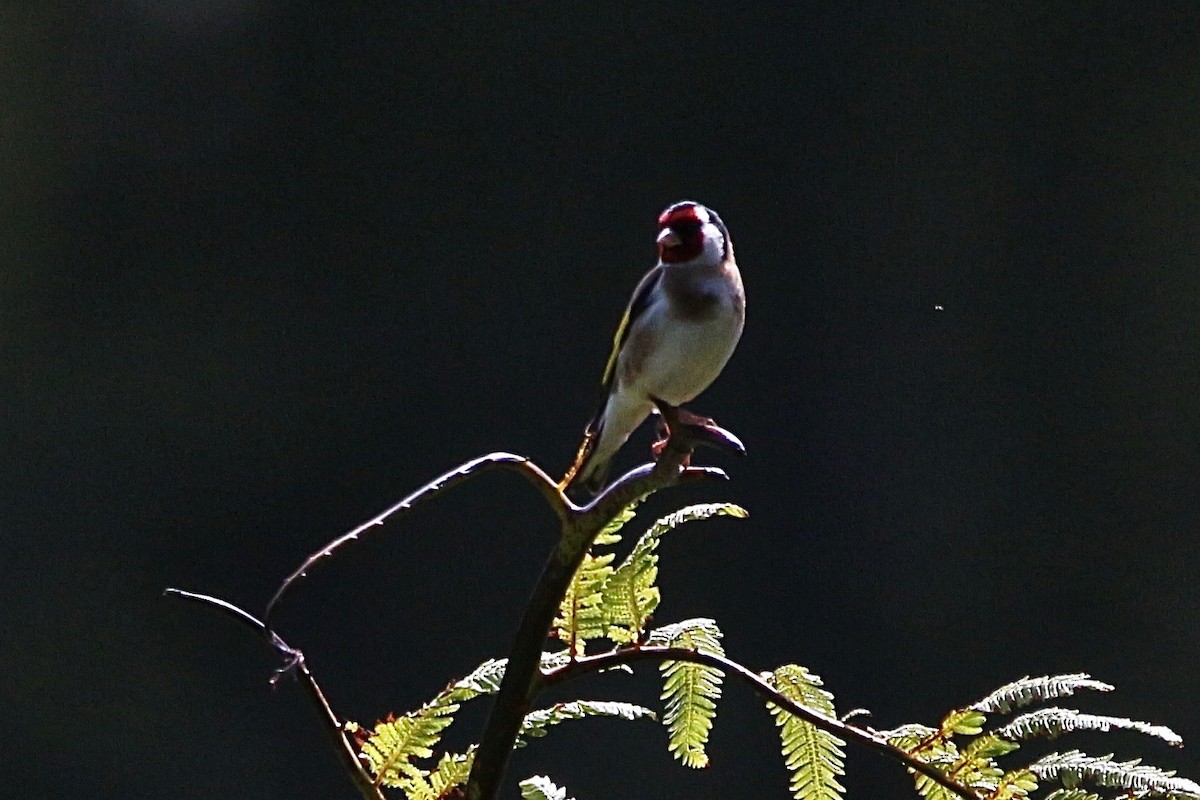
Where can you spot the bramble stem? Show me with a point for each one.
(530, 471)
(588, 664)
(334, 727)
(579, 526)
(522, 678)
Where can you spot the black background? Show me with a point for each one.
(268, 268)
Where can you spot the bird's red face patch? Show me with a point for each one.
(686, 223)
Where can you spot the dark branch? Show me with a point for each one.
(334, 727)
(540, 480)
(522, 678)
(867, 738)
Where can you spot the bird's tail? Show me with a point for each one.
(587, 471)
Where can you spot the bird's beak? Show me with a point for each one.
(668, 238)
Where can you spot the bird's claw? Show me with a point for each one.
(698, 431)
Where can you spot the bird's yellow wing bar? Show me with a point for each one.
(637, 304)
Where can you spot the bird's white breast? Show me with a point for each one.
(676, 356)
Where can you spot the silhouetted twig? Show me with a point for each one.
(540, 480)
(522, 678)
(588, 664)
(579, 526)
(297, 667)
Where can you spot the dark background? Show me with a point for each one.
(267, 268)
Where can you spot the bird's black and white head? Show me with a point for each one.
(689, 233)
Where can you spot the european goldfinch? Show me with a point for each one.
(679, 329)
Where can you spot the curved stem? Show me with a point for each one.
(867, 738)
(334, 727)
(522, 678)
(530, 471)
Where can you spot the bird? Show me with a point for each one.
(680, 328)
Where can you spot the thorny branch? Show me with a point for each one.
(523, 679)
(579, 525)
(334, 727)
(863, 736)
(530, 471)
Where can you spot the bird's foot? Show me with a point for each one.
(661, 443)
(698, 430)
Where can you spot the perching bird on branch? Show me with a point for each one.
(679, 329)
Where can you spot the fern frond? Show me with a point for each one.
(963, 721)
(976, 764)
(580, 616)
(1053, 722)
(390, 749)
(931, 789)
(929, 745)
(537, 723)
(1073, 767)
(539, 787)
(1015, 785)
(923, 742)
(690, 690)
(813, 756)
(394, 744)
(988, 746)
(1072, 794)
(611, 533)
(629, 595)
(908, 736)
(484, 679)
(934, 745)
(1028, 690)
(973, 765)
(452, 770)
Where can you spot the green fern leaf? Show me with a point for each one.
(629, 596)
(1072, 794)
(611, 533)
(539, 787)
(972, 765)
(484, 679)
(690, 690)
(923, 742)
(580, 616)
(934, 745)
(930, 789)
(1035, 690)
(976, 766)
(813, 756)
(537, 723)
(1014, 785)
(1053, 722)
(452, 770)
(930, 746)
(1073, 767)
(963, 721)
(989, 746)
(395, 743)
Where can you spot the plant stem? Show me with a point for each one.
(540, 480)
(333, 726)
(522, 677)
(867, 738)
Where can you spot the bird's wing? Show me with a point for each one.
(637, 304)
